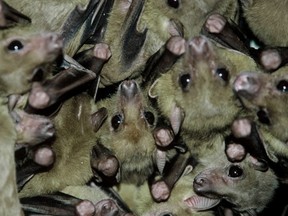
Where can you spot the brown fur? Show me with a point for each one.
(208, 102)
(132, 144)
(9, 199)
(16, 73)
(156, 17)
(274, 102)
(253, 189)
(51, 16)
(268, 20)
(18, 66)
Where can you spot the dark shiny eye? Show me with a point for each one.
(15, 45)
(263, 117)
(222, 73)
(173, 3)
(184, 80)
(166, 214)
(149, 116)
(116, 121)
(235, 171)
(282, 86)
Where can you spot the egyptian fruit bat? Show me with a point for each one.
(137, 29)
(19, 57)
(126, 133)
(23, 55)
(265, 96)
(72, 146)
(131, 121)
(241, 184)
(199, 87)
(182, 201)
(75, 20)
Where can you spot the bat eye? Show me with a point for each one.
(282, 86)
(15, 45)
(116, 121)
(235, 171)
(166, 214)
(149, 116)
(222, 73)
(173, 3)
(184, 80)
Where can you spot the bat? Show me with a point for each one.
(76, 20)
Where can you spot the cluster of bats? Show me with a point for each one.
(141, 107)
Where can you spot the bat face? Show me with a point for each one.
(127, 131)
(237, 183)
(200, 85)
(21, 57)
(76, 20)
(266, 95)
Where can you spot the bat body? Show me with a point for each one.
(241, 184)
(19, 58)
(137, 29)
(267, 20)
(260, 93)
(29, 53)
(9, 199)
(126, 133)
(74, 20)
(199, 86)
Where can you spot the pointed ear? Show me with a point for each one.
(151, 91)
(98, 118)
(10, 16)
(258, 164)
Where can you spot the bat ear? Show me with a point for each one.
(98, 118)
(188, 169)
(151, 92)
(10, 16)
(246, 3)
(258, 164)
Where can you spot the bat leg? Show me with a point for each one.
(104, 164)
(272, 58)
(57, 204)
(94, 59)
(226, 33)
(245, 133)
(30, 162)
(164, 58)
(60, 87)
(161, 189)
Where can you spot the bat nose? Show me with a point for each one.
(129, 88)
(199, 46)
(199, 184)
(246, 83)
